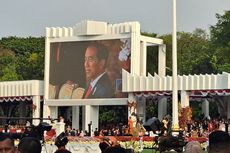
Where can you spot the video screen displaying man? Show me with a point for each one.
(99, 85)
(88, 69)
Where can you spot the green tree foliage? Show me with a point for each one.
(113, 114)
(9, 73)
(152, 55)
(23, 57)
(7, 65)
(192, 50)
(23, 46)
(220, 42)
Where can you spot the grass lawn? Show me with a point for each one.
(149, 151)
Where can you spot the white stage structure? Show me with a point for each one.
(135, 81)
(90, 31)
(24, 90)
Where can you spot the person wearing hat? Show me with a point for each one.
(61, 142)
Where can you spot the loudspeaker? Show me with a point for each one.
(152, 124)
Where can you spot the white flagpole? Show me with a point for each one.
(175, 121)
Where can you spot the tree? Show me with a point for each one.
(7, 65)
(192, 50)
(152, 55)
(28, 60)
(220, 42)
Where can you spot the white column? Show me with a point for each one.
(162, 108)
(53, 112)
(46, 111)
(75, 117)
(91, 116)
(50, 111)
(228, 110)
(143, 58)
(68, 113)
(36, 109)
(184, 99)
(162, 60)
(205, 108)
(83, 108)
(94, 118)
(175, 120)
(60, 127)
(141, 108)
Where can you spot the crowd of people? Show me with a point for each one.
(194, 128)
(215, 131)
(26, 144)
(219, 142)
(34, 145)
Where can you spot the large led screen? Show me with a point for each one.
(88, 69)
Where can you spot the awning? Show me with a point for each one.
(192, 94)
(11, 99)
(18, 98)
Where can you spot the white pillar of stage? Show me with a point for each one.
(162, 61)
(205, 108)
(141, 108)
(60, 127)
(143, 59)
(91, 117)
(50, 112)
(53, 112)
(83, 116)
(162, 108)
(75, 117)
(184, 99)
(46, 111)
(68, 113)
(36, 109)
(228, 110)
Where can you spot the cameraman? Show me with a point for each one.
(61, 142)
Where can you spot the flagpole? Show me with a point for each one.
(175, 121)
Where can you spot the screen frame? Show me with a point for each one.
(80, 102)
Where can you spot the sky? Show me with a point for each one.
(24, 18)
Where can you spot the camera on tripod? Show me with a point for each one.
(37, 131)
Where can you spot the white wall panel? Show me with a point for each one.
(21, 88)
(161, 83)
